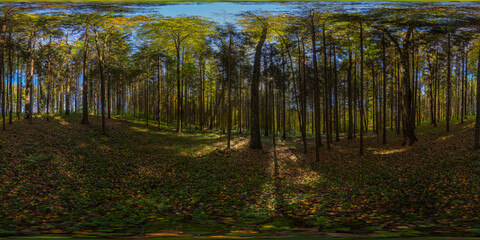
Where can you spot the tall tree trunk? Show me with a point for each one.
(29, 83)
(463, 87)
(19, 88)
(350, 95)
(10, 71)
(284, 108)
(159, 98)
(2, 70)
(408, 121)
(179, 91)
(361, 89)
(85, 79)
(229, 79)
(202, 93)
(49, 65)
(145, 97)
(477, 114)
(431, 86)
(67, 87)
(326, 87)
(384, 60)
(392, 93)
(109, 94)
(316, 88)
(355, 98)
(255, 141)
(100, 54)
(303, 93)
(435, 88)
(449, 82)
(414, 82)
(399, 95)
(336, 121)
(465, 82)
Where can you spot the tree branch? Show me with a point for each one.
(392, 40)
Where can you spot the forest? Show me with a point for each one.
(323, 119)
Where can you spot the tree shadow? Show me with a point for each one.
(390, 184)
(138, 176)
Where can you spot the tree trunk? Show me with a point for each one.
(2, 71)
(10, 71)
(350, 95)
(477, 116)
(255, 141)
(316, 82)
(463, 87)
(48, 79)
(159, 98)
(384, 60)
(202, 93)
(449, 82)
(408, 121)
(179, 91)
(67, 86)
(100, 54)
(326, 87)
(85, 79)
(337, 133)
(29, 83)
(361, 89)
(109, 94)
(19, 88)
(229, 79)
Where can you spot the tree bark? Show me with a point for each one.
(85, 79)
(316, 82)
(336, 120)
(326, 87)
(29, 83)
(408, 122)
(229, 79)
(350, 95)
(477, 116)
(179, 91)
(384, 60)
(255, 141)
(361, 89)
(2, 70)
(100, 54)
(10, 71)
(449, 83)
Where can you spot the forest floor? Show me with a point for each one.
(61, 177)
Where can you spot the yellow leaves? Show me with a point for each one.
(82, 232)
(164, 235)
(121, 23)
(228, 220)
(247, 231)
(227, 237)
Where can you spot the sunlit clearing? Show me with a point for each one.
(64, 123)
(391, 151)
(443, 138)
(140, 129)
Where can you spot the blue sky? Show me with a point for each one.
(218, 11)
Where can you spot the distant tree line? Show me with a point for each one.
(325, 72)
